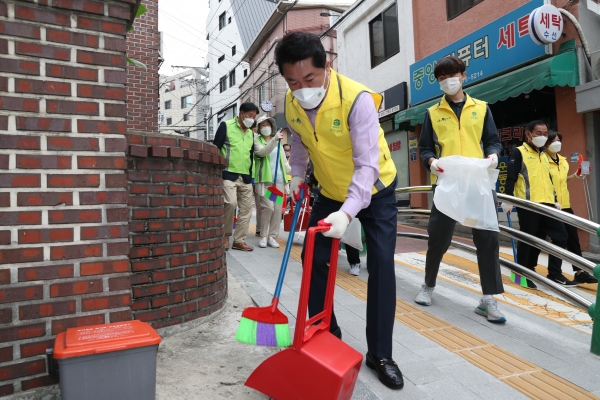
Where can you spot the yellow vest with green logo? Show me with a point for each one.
(458, 138)
(237, 147)
(262, 165)
(534, 181)
(329, 143)
(559, 173)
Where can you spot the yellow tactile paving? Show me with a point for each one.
(527, 378)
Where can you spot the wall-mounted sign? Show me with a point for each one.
(502, 177)
(161, 117)
(394, 100)
(413, 145)
(497, 47)
(545, 24)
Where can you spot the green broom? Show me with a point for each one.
(267, 326)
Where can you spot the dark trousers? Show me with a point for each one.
(379, 222)
(352, 255)
(440, 230)
(572, 239)
(540, 226)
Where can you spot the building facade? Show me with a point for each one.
(184, 103)
(231, 28)
(375, 47)
(264, 86)
(521, 80)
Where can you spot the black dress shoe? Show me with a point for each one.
(337, 333)
(387, 370)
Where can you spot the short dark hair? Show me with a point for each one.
(449, 65)
(531, 126)
(287, 144)
(298, 46)
(552, 135)
(248, 106)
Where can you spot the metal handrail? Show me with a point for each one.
(552, 212)
(519, 269)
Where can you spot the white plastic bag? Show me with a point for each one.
(353, 237)
(464, 192)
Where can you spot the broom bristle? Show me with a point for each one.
(262, 334)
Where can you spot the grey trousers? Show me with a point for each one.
(440, 230)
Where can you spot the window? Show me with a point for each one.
(232, 78)
(245, 73)
(456, 7)
(229, 20)
(223, 84)
(385, 38)
(168, 105)
(273, 87)
(221, 21)
(186, 101)
(169, 121)
(234, 110)
(233, 51)
(186, 117)
(262, 93)
(222, 58)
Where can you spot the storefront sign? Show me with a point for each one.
(412, 148)
(497, 47)
(545, 24)
(394, 100)
(503, 167)
(510, 133)
(395, 146)
(575, 157)
(161, 117)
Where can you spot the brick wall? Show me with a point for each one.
(176, 229)
(142, 84)
(63, 199)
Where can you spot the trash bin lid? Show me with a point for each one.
(96, 339)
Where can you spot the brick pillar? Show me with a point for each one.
(142, 84)
(63, 199)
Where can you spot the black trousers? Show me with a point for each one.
(440, 230)
(541, 226)
(572, 239)
(352, 255)
(379, 222)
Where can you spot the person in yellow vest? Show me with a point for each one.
(559, 171)
(459, 125)
(235, 140)
(334, 121)
(265, 162)
(529, 178)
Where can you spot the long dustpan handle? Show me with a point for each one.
(288, 248)
(278, 161)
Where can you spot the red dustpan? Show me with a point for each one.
(318, 365)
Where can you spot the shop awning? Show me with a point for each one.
(560, 70)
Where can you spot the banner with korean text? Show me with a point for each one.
(499, 46)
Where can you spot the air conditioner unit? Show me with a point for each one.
(595, 62)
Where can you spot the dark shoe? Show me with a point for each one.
(242, 246)
(531, 285)
(226, 243)
(257, 233)
(387, 370)
(585, 277)
(337, 333)
(561, 280)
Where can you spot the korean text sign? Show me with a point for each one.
(498, 46)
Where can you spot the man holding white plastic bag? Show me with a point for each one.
(459, 125)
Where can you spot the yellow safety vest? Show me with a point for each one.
(534, 181)
(458, 138)
(559, 173)
(329, 143)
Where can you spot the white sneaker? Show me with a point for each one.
(262, 242)
(272, 242)
(354, 269)
(424, 296)
(489, 308)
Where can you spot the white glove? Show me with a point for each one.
(435, 168)
(295, 185)
(494, 161)
(506, 207)
(278, 135)
(339, 222)
(558, 206)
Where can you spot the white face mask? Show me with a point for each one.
(248, 122)
(266, 131)
(555, 147)
(539, 141)
(310, 98)
(450, 86)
